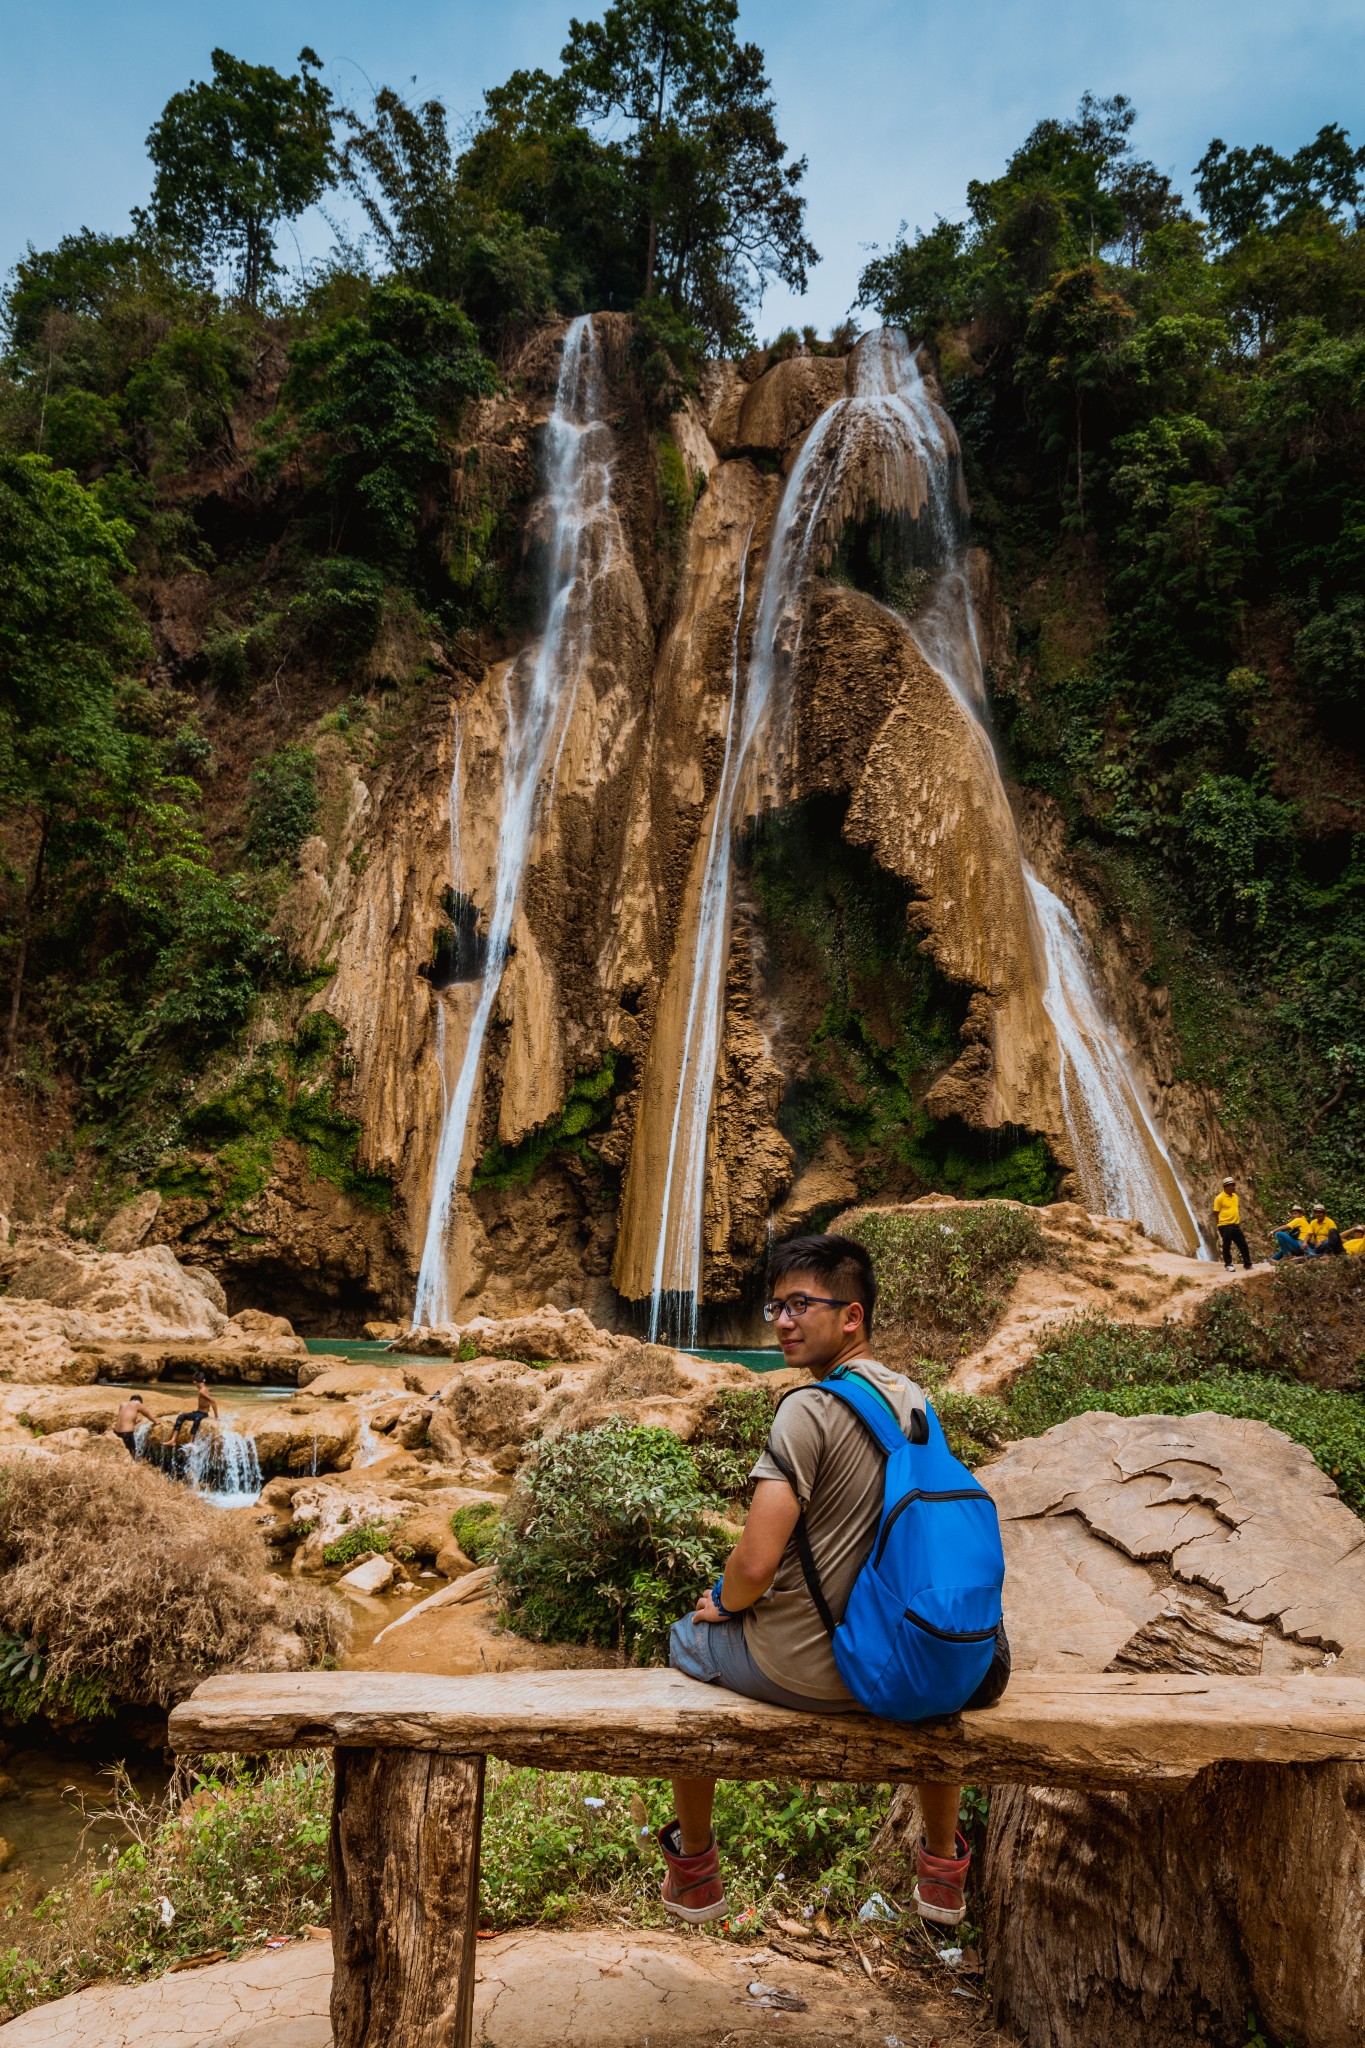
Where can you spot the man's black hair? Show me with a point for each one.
(840, 1264)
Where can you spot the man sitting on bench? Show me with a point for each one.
(759, 1632)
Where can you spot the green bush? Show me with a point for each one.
(357, 1543)
(477, 1529)
(281, 804)
(730, 1438)
(942, 1276)
(609, 1539)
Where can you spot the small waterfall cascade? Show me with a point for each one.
(583, 538)
(219, 1463)
(222, 1465)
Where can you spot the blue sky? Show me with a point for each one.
(896, 103)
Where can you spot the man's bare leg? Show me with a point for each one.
(693, 1799)
(939, 1806)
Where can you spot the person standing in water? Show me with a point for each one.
(1227, 1214)
(205, 1406)
(131, 1414)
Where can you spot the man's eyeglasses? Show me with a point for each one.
(797, 1304)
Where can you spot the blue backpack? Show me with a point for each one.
(918, 1633)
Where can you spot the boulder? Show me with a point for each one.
(336, 1379)
(305, 1444)
(323, 1512)
(211, 1287)
(375, 1575)
(1199, 1543)
(141, 1294)
(257, 1322)
(562, 1336)
(127, 1228)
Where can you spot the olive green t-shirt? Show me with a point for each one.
(839, 1473)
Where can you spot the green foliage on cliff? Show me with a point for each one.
(588, 1108)
(227, 1153)
(869, 1020)
(1163, 419)
(942, 1276)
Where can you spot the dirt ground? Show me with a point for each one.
(579, 1988)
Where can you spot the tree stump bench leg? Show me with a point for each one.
(405, 1897)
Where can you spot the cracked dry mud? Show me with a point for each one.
(580, 1988)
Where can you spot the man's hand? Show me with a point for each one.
(707, 1610)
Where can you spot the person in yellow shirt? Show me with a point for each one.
(1227, 1214)
(1353, 1240)
(1322, 1236)
(1289, 1237)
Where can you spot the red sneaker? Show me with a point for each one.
(940, 1894)
(692, 1888)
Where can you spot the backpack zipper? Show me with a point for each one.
(949, 1635)
(959, 1493)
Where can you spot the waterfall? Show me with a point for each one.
(219, 1463)
(756, 769)
(676, 1288)
(887, 447)
(583, 539)
(1123, 1164)
(1121, 1160)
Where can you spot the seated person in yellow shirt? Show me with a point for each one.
(1353, 1240)
(1322, 1236)
(1289, 1237)
(1227, 1214)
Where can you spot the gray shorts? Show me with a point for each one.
(718, 1653)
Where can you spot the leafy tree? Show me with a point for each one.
(436, 232)
(722, 205)
(75, 279)
(282, 803)
(1075, 331)
(1249, 191)
(236, 155)
(377, 398)
(66, 634)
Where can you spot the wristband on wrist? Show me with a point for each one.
(721, 1607)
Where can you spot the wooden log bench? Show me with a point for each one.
(410, 1756)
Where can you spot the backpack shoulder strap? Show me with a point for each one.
(875, 1414)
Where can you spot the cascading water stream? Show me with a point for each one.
(754, 776)
(676, 1292)
(1121, 1159)
(889, 447)
(584, 537)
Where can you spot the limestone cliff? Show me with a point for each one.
(566, 1178)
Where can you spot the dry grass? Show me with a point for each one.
(131, 1584)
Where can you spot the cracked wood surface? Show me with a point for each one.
(1100, 1729)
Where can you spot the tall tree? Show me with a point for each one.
(237, 155)
(721, 196)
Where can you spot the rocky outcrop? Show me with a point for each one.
(1198, 1544)
(72, 1315)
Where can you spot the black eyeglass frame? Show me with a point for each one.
(773, 1309)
